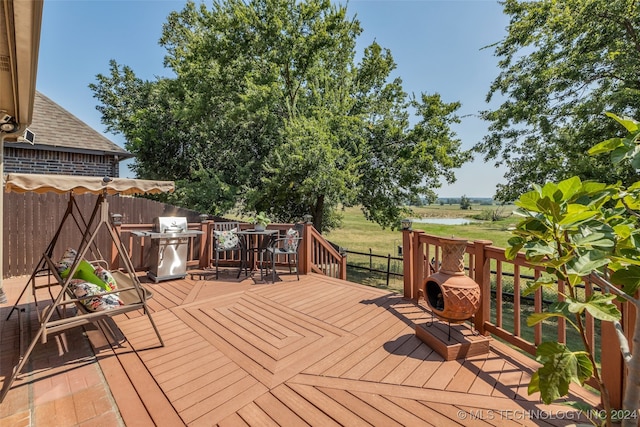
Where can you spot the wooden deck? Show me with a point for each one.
(318, 351)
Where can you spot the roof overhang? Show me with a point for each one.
(20, 26)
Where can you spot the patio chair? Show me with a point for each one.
(225, 240)
(288, 246)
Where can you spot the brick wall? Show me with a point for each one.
(22, 160)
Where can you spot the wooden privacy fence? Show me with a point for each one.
(30, 221)
(489, 267)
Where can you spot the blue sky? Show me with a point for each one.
(437, 46)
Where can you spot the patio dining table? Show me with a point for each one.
(254, 243)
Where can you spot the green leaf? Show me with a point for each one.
(537, 248)
(560, 367)
(570, 187)
(600, 306)
(576, 218)
(585, 367)
(635, 159)
(515, 244)
(529, 201)
(545, 280)
(618, 155)
(628, 278)
(605, 146)
(535, 318)
(512, 251)
(595, 240)
(586, 263)
(534, 383)
(557, 309)
(628, 123)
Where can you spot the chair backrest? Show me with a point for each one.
(225, 226)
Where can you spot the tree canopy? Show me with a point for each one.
(269, 110)
(563, 64)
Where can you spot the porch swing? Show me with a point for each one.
(130, 292)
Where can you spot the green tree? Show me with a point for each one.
(585, 231)
(269, 109)
(465, 203)
(563, 63)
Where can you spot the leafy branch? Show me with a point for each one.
(585, 231)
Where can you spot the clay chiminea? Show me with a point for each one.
(452, 296)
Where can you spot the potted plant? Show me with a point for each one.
(260, 221)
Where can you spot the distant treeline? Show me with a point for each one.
(457, 200)
(486, 201)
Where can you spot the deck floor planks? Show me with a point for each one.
(486, 381)
(392, 409)
(222, 378)
(351, 346)
(358, 324)
(233, 420)
(311, 352)
(366, 366)
(508, 381)
(281, 413)
(218, 406)
(369, 413)
(147, 387)
(353, 350)
(444, 375)
(466, 375)
(300, 405)
(247, 341)
(397, 352)
(279, 311)
(256, 416)
(173, 292)
(354, 311)
(426, 415)
(408, 366)
(191, 344)
(196, 375)
(212, 289)
(331, 305)
(331, 407)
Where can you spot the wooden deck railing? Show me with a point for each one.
(316, 253)
(489, 267)
(322, 257)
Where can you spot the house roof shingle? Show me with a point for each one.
(56, 128)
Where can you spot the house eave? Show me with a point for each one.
(20, 26)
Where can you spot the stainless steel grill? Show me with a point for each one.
(169, 247)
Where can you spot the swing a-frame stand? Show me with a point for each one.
(46, 276)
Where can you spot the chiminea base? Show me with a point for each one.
(452, 341)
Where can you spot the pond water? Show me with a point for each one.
(443, 221)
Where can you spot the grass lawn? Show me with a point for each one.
(359, 235)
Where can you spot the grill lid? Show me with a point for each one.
(170, 224)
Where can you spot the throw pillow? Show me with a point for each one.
(85, 271)
(92, 297)
(227, 239)
(291, 240)
(106, 277)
